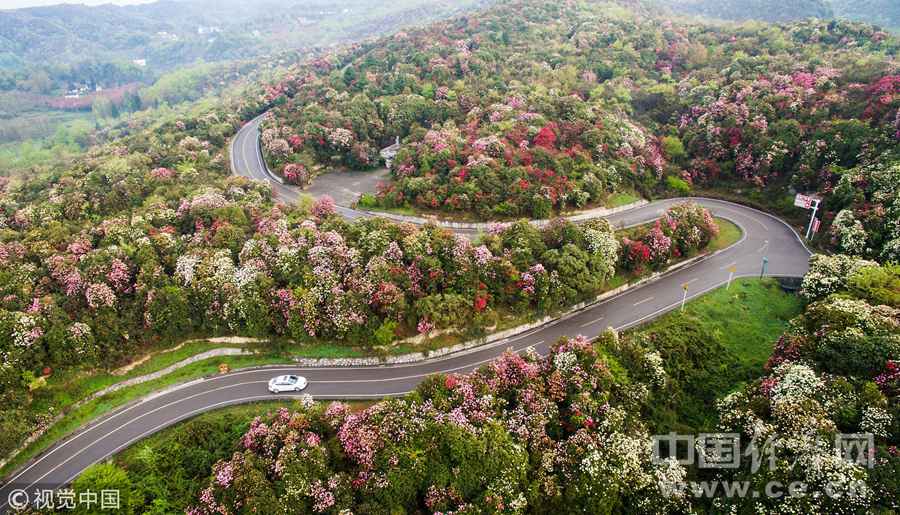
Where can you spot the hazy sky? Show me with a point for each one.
(14, 4)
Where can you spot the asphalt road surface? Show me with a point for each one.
(246, 160)
(764, 236)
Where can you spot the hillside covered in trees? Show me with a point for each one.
(69, 72)
(525, 109)
(170, 33)
(879, 12)
(533, 109)
(567, 433)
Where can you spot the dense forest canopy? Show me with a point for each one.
(527, 109)
(533, 109)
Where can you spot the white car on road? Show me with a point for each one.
(287, 384)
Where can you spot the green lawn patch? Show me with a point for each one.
(719, 342)
(621, 199)
(729, 234)
(746, 318)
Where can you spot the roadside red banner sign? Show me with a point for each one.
(803, 201)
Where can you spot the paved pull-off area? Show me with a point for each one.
(764, 236)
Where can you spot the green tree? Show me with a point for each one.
(170, 311)
(106, 477)
(674, 148)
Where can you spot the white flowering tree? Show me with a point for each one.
(830, 274)
(848, 234)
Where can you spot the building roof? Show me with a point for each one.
(392, 150)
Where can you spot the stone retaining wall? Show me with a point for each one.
(497, 337)
(491, 339)
(118, 386)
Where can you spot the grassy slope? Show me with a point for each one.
(719, 342)
(64, 391)
(621, 199)
(746, 318)
(729, 234)
(69, 386)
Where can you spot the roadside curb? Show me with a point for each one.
(591, 214)
(118, 386)
(486, 342)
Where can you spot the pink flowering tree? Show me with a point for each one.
(323, 207)
(516, 419)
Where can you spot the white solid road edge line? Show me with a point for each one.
(268, 397)
(152, 396)
(110, 416)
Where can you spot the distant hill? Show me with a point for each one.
(132, 41)
(66, 57)
(885, 13)
(766, 10)
(72, 33)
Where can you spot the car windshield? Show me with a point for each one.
(287, 380)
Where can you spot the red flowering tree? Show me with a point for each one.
(546, 137)
(295, 173)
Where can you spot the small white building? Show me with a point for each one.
(389, 153)
(77, 91)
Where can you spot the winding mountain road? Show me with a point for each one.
(764, 236)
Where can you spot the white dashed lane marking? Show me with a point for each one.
(592, 322)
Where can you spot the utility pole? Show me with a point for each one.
(765, 267)
(684, 298)
(731, 270)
